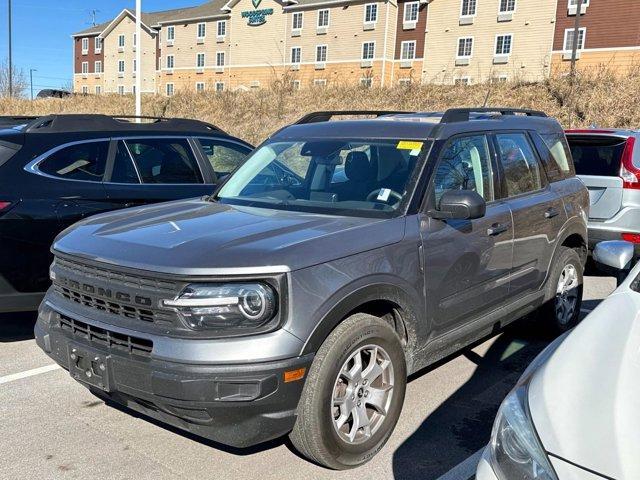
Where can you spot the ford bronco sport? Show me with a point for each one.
(341, 257)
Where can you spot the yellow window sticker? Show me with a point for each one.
(409, 145)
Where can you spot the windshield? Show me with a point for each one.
(347, 177)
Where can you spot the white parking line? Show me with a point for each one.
(29, 373)
(465, 469)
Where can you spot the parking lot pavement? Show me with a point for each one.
(54, 428)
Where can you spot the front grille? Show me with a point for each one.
(82, 282)
(105, 338)
(106, 305)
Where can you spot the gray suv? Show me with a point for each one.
(608, 162)
(340, 258)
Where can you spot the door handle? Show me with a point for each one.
(551, 212)
(497, 229)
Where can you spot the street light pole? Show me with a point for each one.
(138, 58)
(10, 56)
(31, 70)
(576, 38)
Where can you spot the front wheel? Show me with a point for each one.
(353, 395)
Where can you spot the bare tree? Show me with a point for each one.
(20, 83)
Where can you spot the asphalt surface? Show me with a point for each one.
(53, 428)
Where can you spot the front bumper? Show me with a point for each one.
(237, 405)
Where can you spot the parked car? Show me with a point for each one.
(58, 169)
(53, 93)
(296, 302)
(574, 413)
(608, 162)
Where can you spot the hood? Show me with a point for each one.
(585, 400)
(198, 237)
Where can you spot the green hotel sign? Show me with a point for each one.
(257, 17)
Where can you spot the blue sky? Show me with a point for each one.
(42, 32)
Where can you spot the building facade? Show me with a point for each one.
(247, 44)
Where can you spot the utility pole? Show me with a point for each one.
(138, 58)
(93, 14)
(31, 70)
(10, 56)
(576, 38)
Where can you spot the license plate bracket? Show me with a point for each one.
(89, 367)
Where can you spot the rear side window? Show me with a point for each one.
(597, 154)
(560, 166)
(84, 161)
(7, 150)
(224, 156)
(167, 161)
(123, 168)
(519, 164)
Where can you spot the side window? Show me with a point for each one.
(84, 161)
(165, 160)
(519, 163)
(123, 168)
(465, 165)
(560, 151)
(224, 156)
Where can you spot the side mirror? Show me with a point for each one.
(460, 205)
(614, 257)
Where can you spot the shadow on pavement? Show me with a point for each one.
(462, 424)
(15, 327)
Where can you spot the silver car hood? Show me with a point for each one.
(197, 237)
(585, 400)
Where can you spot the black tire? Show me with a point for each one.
(548, 314)
(314, 435)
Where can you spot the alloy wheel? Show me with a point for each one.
(567, 295)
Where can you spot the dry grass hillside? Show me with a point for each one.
(599, 98)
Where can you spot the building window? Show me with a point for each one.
(222, 28)
(323, 18)
(411, 12)
(98, 89)
(297, 21)
(465, 47)
(202, 30)
(97, 66)
(171, 33)
(507, 6)
(200, 87)
(573, 4)
(569, 39)
(320, 82)
(133, 89)
(503, 78)
(503, 44)
(169, 89)
(408, 50)
(295, 84)
(85, 46)
(371, 13)
(135, 65)
(97, 45)
(368, 50)
(120, 89)
(366, 82)
(200, 60)
(296, 55)
(468, 8)
(220, 59)
(321, 53)
(85, 90)
(405, 82)
(219, 86)
(121, 41)
(462, 81)
(135, 40)
(170, 62)
(120, 66)
(85, 67)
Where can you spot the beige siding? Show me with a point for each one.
(532, 27)
(620, 60)
(112, 55)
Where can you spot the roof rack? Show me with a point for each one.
(325, 116)
(455, 115)
(97, 122)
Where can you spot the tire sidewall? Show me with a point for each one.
(344, 453)
(566, 257)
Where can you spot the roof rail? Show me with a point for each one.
(325, 116)
(11, 120)
(97, 122)
(455, 115)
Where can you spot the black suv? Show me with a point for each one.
(58, 169)
(339, 258)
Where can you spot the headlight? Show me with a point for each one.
(516, 450)
(222, 306)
